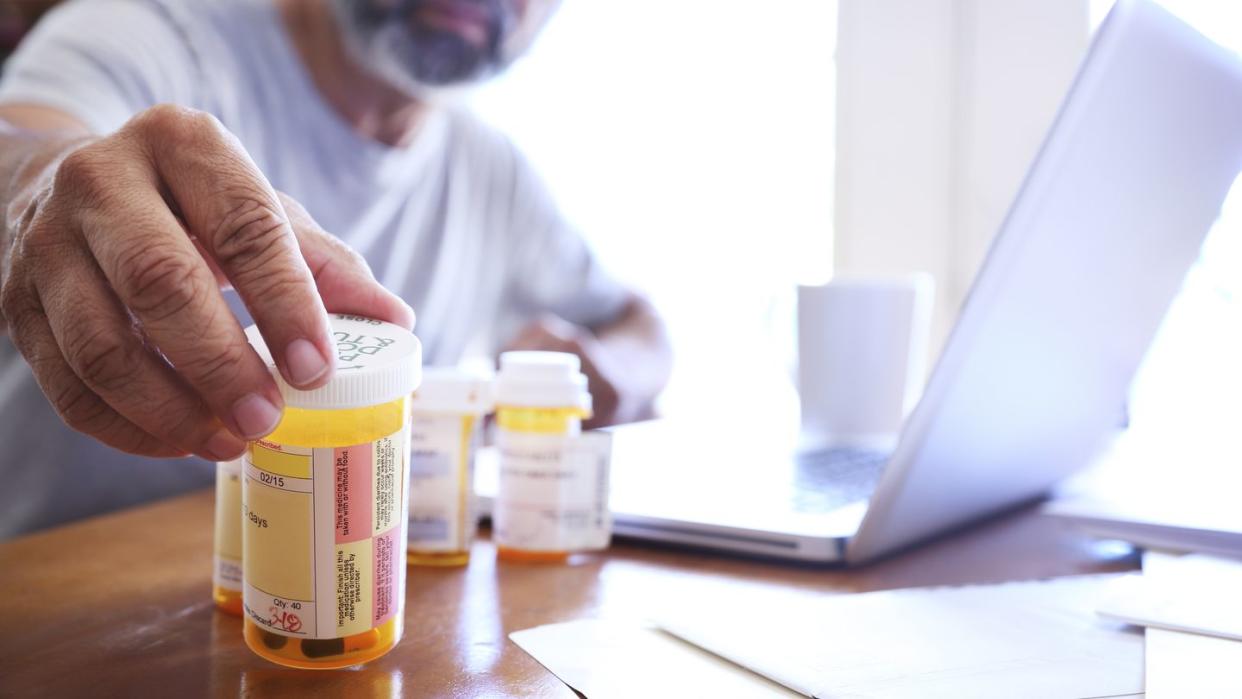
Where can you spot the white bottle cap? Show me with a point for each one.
(541, 380)
(454, 390)
(376, 362)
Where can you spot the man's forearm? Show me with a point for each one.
(26, 157)
(32, 141)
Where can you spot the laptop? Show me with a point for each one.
(1035, 374)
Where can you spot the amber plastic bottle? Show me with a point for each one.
(541, 400)
(324, 502)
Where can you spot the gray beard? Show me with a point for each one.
(418, 68)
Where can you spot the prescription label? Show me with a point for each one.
(553, 491)
(227, 574)
(319, 526)
(442, 482)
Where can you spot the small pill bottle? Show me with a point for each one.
(446, 420)
(548, 504)
(324, 502)
(226, 577)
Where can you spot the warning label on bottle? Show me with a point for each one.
(442, 513)
(553, 492)
(319, 526)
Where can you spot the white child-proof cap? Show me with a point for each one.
(376, 362)
(454, 390)
(541, 380)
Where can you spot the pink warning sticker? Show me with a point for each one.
(353, 492)
(387, 556)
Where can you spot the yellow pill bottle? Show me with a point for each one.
(541, 400)
(324, 501)
(446, 420)
(226, 577)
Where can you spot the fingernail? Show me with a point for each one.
(223, 446)
(255, 416)
(304, 362)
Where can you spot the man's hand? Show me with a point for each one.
(117, 249)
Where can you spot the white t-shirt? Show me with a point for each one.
(456, 223)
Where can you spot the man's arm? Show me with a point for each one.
(112, 252)
(627, 360)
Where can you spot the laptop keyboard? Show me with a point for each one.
(825, 480)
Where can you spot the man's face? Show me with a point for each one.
(417, 44)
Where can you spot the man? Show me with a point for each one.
(157, 151)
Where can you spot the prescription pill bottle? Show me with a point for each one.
(446, 417)
(552, 495)
(324, 506)
(226, 577)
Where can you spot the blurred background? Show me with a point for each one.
(718, 153)
(751, 149)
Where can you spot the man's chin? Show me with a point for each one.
(424, 90)
(424, 73)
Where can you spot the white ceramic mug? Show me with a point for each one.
(862, 357)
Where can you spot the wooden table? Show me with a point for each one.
(119, 605)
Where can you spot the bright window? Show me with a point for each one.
(692, 143)
(1191, 383)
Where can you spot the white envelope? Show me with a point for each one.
(1186, 664)
(1194, 593)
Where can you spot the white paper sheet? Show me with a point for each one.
(1030, 639)
(1193, 593)
(604, 659)
(1185, 664)
(1190, 665)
